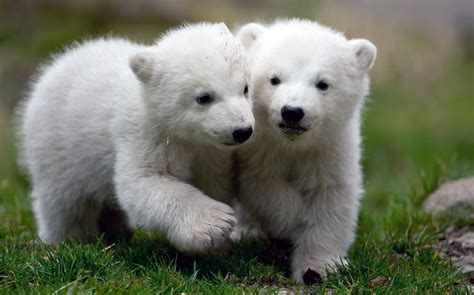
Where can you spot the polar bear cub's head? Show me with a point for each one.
(195, 85)
(305, 78)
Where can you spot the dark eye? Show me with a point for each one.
(275, 80)
(205, 98)
(323, 86)
(246, 90)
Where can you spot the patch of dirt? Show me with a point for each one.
(458, 245)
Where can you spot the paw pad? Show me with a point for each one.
(311, 277)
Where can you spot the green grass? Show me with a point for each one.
(414, 141)
(395, 237)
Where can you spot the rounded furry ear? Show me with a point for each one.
(365, 53)
(249, 33)
(142, 65)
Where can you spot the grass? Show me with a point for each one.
(395, 237)
(414, 141)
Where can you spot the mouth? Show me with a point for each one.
(292, 129)
(224, 145)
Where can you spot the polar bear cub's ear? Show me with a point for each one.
(249, 33)
(365, 53)
(142, 65)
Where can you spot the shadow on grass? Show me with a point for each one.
(245, 260)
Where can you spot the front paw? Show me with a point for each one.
(206, 230)
(308, 275)
(314, 271)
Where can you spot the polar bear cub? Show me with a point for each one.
(148, 130)
(300, 175)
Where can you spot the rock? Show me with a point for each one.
(458, 243)
(284, 292)
(451, 194)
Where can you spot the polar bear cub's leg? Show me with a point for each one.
(246, 226)
(61, 214)
(192, 221)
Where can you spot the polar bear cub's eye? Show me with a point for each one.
(275, 80)
(205, 98)
(322, 85)
(246, 90)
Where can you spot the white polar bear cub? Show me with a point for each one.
(147, 129)
(300, 175)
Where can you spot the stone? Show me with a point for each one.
(451, 194)
(457, 243)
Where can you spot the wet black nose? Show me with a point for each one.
(242, 134)
(292, 114)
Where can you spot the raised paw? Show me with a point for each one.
(207, 230)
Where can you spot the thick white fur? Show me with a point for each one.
(112, 122)
(305, 187)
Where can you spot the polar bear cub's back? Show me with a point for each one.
(77, 94)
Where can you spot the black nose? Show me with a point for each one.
(292, 114)
(242, 134)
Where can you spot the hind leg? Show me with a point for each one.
(62, 214)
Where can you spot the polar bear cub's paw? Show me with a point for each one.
(206, 229)
(314, 271)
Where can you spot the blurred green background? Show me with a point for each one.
(418, 131)
(419, 117)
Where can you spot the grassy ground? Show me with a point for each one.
(414, 140)
(408, 154)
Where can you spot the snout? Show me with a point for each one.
(242, 134)
(292, 114)
(291, 119)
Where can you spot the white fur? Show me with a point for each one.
(305, 187)
(113, 122)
